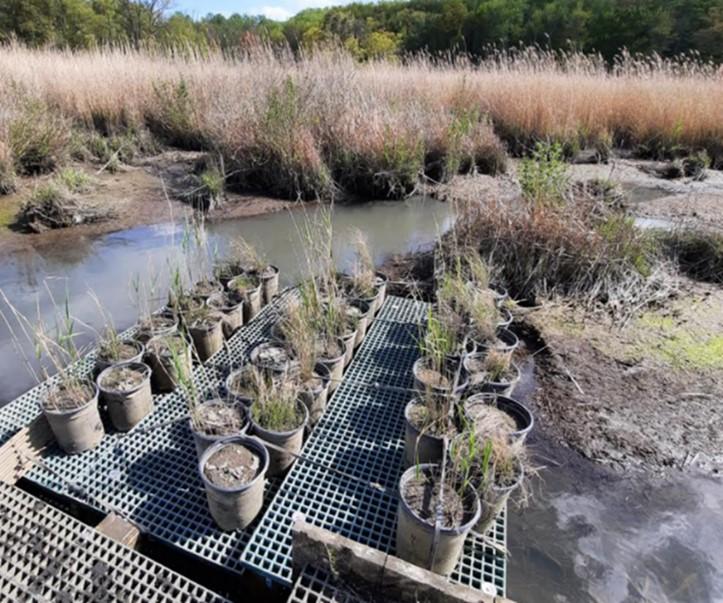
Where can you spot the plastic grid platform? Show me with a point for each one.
(150, 475)
(316, 586)
(46, 555)
(362, 434)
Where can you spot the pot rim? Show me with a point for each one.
(246, 441)
(264, 431)
(244, 427)
(462, 385)
(486, 397)
(249, 291)
(465, 527)
(224, 307)
(139, 345)
(407, 408)
(335, 359)
(130, 364)
(70, 411)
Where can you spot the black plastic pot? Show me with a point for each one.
(521, 415)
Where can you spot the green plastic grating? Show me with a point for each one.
(150, 476)
(316, 586)
(362, 434)
(46, 555)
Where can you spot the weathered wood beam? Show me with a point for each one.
(18, 453)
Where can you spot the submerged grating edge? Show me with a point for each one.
(46, 555)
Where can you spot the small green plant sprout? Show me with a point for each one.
(110, 346)
(437, 343)
(74, 180)
(363, 277)
(544, 176)
(276, 406)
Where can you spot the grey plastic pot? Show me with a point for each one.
(203, 441)
(164, 377)
(78, 429)
(363, 318)
(207, 336)
(258, 356)
(419, 447)
(235, 508)
(436, 390)
(521, 415)
(291, 441)
(349, 340)
(232, 311)
(315, 399)
(101, 363)
(501, 294)
(416, 536)
(145, 333)
(205, 289)
(251, 298)
(269, 283)
(335, 367)
(507, 341)
(127, 408)
(492, 500)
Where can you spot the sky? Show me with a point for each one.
(273, 9)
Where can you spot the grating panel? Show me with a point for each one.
(46, 555)
(362, 434)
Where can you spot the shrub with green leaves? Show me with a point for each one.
(544, 176)
(7, 170)
(75, 180)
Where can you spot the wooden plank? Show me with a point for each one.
(367, 570)
(19, 452)
(120, 530)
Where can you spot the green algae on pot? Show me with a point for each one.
(230, 305)
(71, 408)
(215, 420)
(233, 472)
(170, 360)
(418, 542)
(248, 287)
(126, 391)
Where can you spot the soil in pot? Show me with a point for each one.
(272, 358)
(313, 392)
(126, 391)
(249, 288)
(155, 326)
(206, 330)
(281, 423)
(240, 385)
(215, 420)
(167, 354)
(233, 475)
(230, 304)
(122, 351)
(420, 495)
(205, 288)
(71, 409)
(495, 416)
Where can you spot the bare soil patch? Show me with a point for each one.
(642, 396)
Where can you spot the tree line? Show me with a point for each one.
(383, 29)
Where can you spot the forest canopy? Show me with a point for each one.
(384, 29)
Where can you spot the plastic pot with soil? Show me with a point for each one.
(230, 305)
(126, 391)
(206, 330)
(432, 378)
(314, 392)
(233, 471)
(491, 372)
(269, 278)
(169, 357)
(117, 352)
(426, 425)
(206, 288)
(495, 416)
(248, 287)
(71, 408)
(373, 294)
(272, 359)
(157, 325)
(431, 529)
(240, 385)
(280, 419)
(361, 313)
(214, 420)
(331, 353)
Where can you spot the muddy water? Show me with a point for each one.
(590, 535)
(108, 265)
